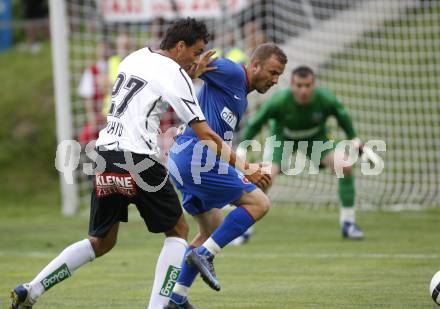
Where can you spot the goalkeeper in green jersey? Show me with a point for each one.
(300, 114)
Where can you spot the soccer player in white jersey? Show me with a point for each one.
(147, 82)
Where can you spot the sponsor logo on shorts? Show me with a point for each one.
(170, 281)
(111, 183)
(57, 276)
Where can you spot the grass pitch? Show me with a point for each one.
(296, 259)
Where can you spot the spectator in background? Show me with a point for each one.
(253, 35)
(93, 88)
(35, 13)
(157, 32)
(124, 45)
(227, 47)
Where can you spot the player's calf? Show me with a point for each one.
(243, 238)
(234, 225)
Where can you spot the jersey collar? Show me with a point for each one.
(247, 78)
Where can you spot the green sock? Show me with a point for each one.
(346, 191)
(347, 195)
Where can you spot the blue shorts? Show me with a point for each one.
(204, 180)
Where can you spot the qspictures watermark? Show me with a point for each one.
(203, 160)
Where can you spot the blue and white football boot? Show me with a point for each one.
(351, 230)
(205, 266)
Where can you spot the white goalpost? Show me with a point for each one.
(380, 58)
(59, 36)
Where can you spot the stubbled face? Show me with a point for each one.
(266, 74)
(302, 88)
(187, 55)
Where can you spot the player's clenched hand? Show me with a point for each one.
(266, 169)
(203, 64)
(265, 182)
(258, 177)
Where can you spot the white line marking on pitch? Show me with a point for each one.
(254, 255)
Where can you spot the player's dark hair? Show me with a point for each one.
(187, 30)
(265, 51)
(302, 71)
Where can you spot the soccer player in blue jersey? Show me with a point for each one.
(208, 183)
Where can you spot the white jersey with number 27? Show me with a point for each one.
(147, 82)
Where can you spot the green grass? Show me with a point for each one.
(297, 259)
(27, 126)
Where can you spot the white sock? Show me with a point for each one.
(212, 246)
(347, 214)
(181, 290)
(62, 267)
(167, 270)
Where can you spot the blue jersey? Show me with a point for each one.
(223, 98)
(197, 172)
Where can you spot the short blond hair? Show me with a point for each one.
(264, 51)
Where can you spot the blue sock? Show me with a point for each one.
(188, 273)
(235, 224)
(186, 278)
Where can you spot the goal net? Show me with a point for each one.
(380, 58)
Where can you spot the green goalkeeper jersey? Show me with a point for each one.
(289, 120)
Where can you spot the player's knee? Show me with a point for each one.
(263, 204)
(102, 245)
(181, 229)
(266, 204)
